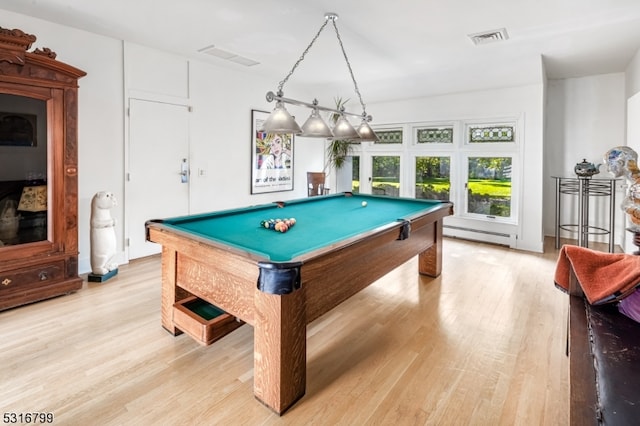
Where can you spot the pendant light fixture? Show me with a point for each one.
(280, 121)
(344, 131)
(315, 126)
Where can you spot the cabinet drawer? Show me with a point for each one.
(38, 275)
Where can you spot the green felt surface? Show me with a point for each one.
(203, 309)
(320, 221)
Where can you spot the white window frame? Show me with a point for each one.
(492, 229)
(491, 149)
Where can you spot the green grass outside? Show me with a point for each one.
(380, 183)
(438, 185)
(492, 187)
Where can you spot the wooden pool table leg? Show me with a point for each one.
(171, 293)
(280, 349)
(168, 298)
(430, 260)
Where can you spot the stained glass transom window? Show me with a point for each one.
(492, 134)
(389, 136)
(435, 135)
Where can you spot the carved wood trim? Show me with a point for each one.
(15, 38)
(45, 51)
(14, 46)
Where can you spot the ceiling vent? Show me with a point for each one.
(229, 56)
(489, 36)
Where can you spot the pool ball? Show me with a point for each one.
(364, 204)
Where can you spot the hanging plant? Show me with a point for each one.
(338, 150)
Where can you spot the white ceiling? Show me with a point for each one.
(399, 49)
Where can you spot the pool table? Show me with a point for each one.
(278, 282)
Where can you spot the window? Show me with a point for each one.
(433, 179)
(355, 174)
(389, 136)
(489, 186)
(386, 175)
(472, 163)
(491, 150)
(434, 135)
(483, 134)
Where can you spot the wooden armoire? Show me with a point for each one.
(39, 249)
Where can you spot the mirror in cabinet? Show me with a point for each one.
(23, 170)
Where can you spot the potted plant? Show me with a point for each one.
(338, 150)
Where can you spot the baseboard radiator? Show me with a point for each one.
(479, 235)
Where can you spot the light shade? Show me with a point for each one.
(315, 127)
(366, 132)
(343, 130)
(280, 121)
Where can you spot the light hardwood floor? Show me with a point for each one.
(483, 344)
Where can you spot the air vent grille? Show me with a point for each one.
(229, 56)
(489, 36)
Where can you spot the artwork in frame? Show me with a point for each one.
(17, 129)
(271, 158)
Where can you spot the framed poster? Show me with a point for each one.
(271, 158)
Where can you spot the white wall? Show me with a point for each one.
(584, 119)
(525, 102)
(220, 125)
(222, 143)
(222, 101)
(632, 76)
(632, 88)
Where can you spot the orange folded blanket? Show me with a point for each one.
(603, 277)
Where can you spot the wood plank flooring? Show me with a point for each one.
(483, 344)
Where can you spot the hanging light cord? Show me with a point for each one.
(282, 83)
(289, 125)
(328, 17)
(355, 85)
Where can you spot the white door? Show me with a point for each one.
(157, 184)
